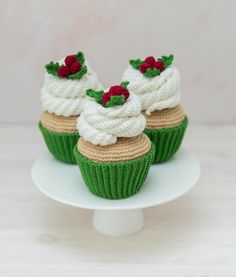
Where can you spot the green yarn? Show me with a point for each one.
(167, 60)
(115, 180)
(136, 63)
(60, 145)
(96, 94)
(167, 141)
(79, 74)
(150, 73)
(52, 68)
(115, 100)
(80, 57)
(124, 84)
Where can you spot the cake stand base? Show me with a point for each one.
(165, 182)
(118, 223)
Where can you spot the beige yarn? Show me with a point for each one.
(58, 123)
(124, 149)
(165, 118)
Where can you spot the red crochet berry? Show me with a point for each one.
(150, 60)
(69, 60)
(119, 90)
(75, 67)
(159, 65)
(143, 67)
(106, 98)
(63, 71)
(114, 91)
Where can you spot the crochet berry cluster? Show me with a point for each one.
(150, 62)
(151, 67)
(73, 68)
(116, 95)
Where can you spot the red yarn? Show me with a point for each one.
(119, 90)
(143, 67)
(115, 91)
(63, 71)
(75, 67)
(150, 60)
(69, 60)
(159, 65)
(106, 98)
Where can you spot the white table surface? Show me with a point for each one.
(193, 236)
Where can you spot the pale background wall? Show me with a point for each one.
(201, 34)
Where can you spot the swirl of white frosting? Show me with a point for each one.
(100, 125)
(157, 93)
(64, 96)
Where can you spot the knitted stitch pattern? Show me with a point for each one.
(115, 180)
(59, 124)
(60, 145)
(124, 149)
(158, 93)
(165, 118)
(65, 97)
(167, 140)
(100, 125)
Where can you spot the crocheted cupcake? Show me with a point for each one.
(62, 97)
(113, 153)
(157, 84)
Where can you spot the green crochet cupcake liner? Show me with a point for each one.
(115, 180)
(167, 141)
(60, 145)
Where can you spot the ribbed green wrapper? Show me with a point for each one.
(167, 141)
(60, 145)
(115, 180)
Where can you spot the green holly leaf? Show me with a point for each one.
(167, 60)
(124, 84)
(116, 100)
(79, 74)
(96, 94)
(80, 57)
(136, 63)
(52, 68)
(150, 73)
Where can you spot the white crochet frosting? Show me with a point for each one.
(65, 97)
(100, 125)
(155, 93)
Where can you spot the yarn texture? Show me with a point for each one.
(58, 123)
(113, 154)
(64, 96)
(167, 141)
(157, 93)
(165, 118)
(115, 180)
(123, 150)
(100, 125)
(60, 145)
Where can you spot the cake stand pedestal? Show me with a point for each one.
(165, 182)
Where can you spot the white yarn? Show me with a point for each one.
(61, 106)
(155, 93)
(103, 126)
(65, 97)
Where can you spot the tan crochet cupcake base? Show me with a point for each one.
(164, 119)
(58, 123)
(124, 149)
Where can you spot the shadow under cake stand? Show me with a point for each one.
(165, 182)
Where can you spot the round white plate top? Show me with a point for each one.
(165, 182)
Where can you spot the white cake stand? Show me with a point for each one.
(165, 182)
